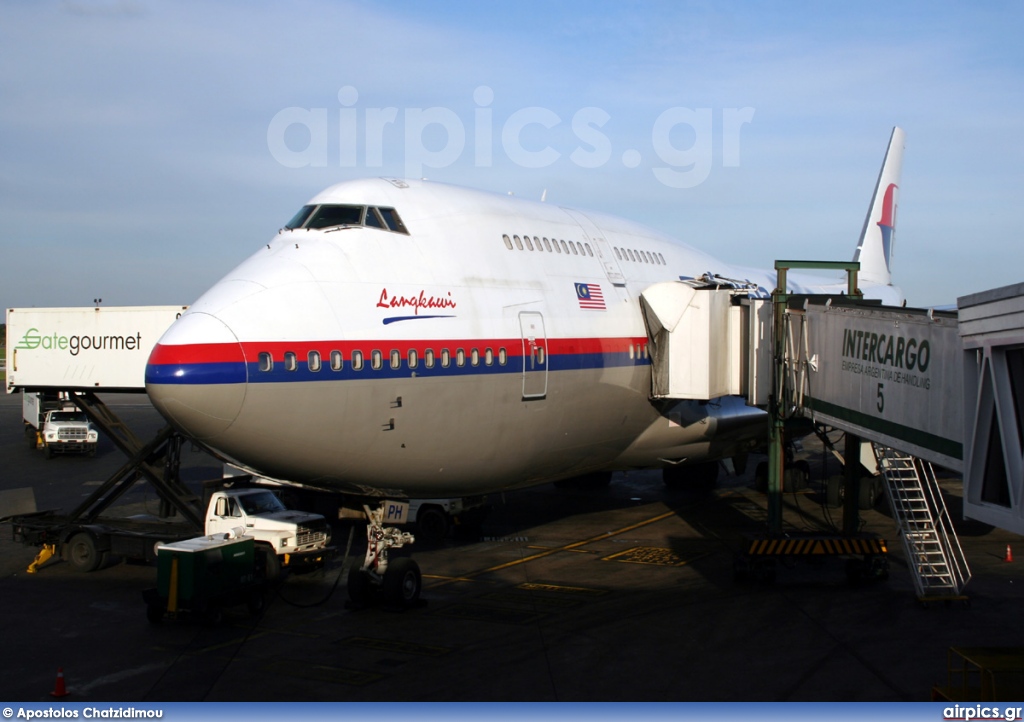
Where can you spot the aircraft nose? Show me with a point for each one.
(196, 375)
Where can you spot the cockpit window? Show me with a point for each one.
(395, 224)
(328, 216)
(300, 217)
(372, 219)
(332, 216)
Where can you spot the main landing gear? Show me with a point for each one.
(397, 581)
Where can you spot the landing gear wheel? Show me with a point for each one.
(835, 491)
(761, 476)
(431, 525)
(360, 587)
(867, 493)
(82, 553)
(402, 582)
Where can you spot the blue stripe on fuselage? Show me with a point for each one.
(233, 373)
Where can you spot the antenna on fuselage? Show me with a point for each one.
(544, 195)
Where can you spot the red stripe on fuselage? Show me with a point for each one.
(228, 352)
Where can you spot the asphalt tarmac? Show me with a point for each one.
(620, 594)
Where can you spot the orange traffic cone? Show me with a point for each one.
(1009, 554)
(59, 690)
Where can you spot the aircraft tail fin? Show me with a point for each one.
(874, 251)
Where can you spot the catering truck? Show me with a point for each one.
(102, 348)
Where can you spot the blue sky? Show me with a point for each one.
(137, 137)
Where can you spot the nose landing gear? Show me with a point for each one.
(397, 581)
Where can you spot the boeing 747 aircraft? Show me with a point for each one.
(413, 339)
(407, 339)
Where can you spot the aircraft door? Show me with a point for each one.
(535, 355)
(601, 247)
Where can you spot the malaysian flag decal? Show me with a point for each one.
(589, 295)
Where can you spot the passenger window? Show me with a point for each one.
(396, 359)
(428, 358)
(474, 357)
(390, 216)
(502, 356)
(313, 361)
(446, 358)
(540, 355)
(376, 360)
(290, 362)
(460, 357)
(662, 260)
(631, 256)
(536, 242)
(565, 248)
(357, 360)
(266, 361)
(413, 358)
(589, 252)
(617, 254)
(554, 243)
(489, 357)
(632, 354)
(529, 243)
(547, 245)
(519, 243)
(337, 361)
(508, 241)
(572, 245)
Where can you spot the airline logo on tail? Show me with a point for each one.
(887, 223)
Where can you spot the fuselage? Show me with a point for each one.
(479, 343)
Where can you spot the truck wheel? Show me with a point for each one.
(256, 603)
(271, 562)
(360, 587)
(431, 524)
(155, 612)
(82, 553)
(402, 582)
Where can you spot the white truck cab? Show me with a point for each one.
(293, 538)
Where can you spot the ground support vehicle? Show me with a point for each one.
(54, 423)
(200, 577)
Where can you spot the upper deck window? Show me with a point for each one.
(331, 215)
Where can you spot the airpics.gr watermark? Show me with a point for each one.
(369, 129)
(981, 712)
